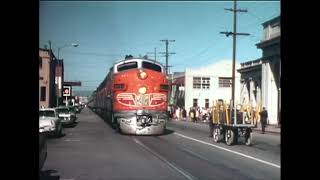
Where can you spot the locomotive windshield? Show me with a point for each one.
(151, 66)
(126, 66)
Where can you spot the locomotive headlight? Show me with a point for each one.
(143, 75)
(142, 90)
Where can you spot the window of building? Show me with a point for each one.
(196, 82)
(225, 82)
(43, 93)
(195, 102)
(205, 83)
(206, 105)
(199, 82)
(40, 62)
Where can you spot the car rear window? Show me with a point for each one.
(47, 113)
(63, 110)
(126, 66)
(151, 66)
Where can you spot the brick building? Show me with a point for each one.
(47, 72)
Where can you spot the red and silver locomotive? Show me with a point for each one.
(133, 96)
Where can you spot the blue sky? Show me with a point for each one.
(107, 31)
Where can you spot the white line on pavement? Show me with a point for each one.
(74, 140)
(244, 155)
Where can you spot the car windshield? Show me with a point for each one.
(47, 113)
(63, 110)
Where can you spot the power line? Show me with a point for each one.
(93, 54)
(234, 34)
(167, 53)
(155, 54)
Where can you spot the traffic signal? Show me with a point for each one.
(66, 91)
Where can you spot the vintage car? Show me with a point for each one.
(42, 150)
(72, 111)
(49, 122)
(65, 115)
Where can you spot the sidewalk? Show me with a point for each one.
(269, 128)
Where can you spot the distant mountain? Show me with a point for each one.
(82, 93)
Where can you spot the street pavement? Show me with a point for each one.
(92, 150)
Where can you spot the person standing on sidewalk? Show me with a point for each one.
(184, 114)
(263, 119)
(211, 125)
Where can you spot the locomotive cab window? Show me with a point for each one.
(151, 66)
(127, 66)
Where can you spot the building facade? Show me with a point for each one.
(260, 79)
(59, 79)
(47, 71)
(201, 87)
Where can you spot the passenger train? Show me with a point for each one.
(133, 97)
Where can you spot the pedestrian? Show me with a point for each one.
(184, 114)
(197, 113)
(211, 125)
(263, 119)
(177, 112)
(193, 115)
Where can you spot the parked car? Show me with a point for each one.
(65, 116)
(77, 108)
(49, 122)
(42, 150)
(72, 111)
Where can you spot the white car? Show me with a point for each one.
(49, 122)
(42, 150)
(65, 116)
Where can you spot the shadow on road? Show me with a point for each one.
(52, 136)
(71, 125)
(49, 175)
(166, 132)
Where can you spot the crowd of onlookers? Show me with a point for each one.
(193, 114)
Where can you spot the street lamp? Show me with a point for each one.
(67, 45)
(59, 48)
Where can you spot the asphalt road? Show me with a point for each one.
(93, 151)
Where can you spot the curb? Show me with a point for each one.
(266, 131)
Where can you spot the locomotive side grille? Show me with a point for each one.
(119, 87)
(164, 87)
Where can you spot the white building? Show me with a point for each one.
(261, 78)
(204, 85)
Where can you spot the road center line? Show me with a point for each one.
(244, 155)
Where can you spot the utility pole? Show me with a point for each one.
(155, 54)
(167, 53)
(234, 34)
(49, 44)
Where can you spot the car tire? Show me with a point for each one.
(59, 131)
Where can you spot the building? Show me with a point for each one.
(59, 80)
(201, 87)
(47, 71)
(260, 79)
(177, 88)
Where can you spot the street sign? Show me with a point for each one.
(66, 91)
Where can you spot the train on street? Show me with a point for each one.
(133, 97)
